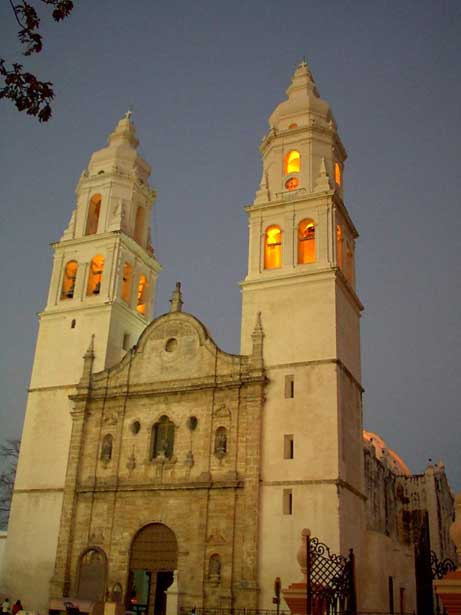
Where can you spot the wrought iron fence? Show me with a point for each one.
(440, 568)
(330, 580)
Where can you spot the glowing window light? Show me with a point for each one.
(142, 291)
(94, 209)
(338, 174)
(292, 183)
(339, 246)
(126, 282)
(95, 275)
(292, 162)
(273, 248)
(306, 242)
(68, 282)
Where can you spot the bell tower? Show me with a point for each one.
(301, 279)
(102, 289)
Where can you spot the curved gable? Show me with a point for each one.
(174, 347)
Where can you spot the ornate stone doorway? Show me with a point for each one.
(153, 560)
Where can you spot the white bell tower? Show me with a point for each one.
(102, 285)
(301, 279)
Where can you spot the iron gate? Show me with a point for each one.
(330, 580)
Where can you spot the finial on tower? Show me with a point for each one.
(303, 62)
(176, 301)
(323, 181)
(89, 354)
(88, 359)
(124, 132)
(257, 337)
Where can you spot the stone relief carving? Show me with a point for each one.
(110, 419)
(222, 412)
(216, 537)
(97, 535)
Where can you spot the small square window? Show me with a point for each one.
(126, 341)
(287, 502)
(288, 446)
(289, 387)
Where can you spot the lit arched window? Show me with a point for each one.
(95, 275)
(126, 282)
(142, 294)
(162, 438)
(220, 442)
(273, 247)
(338, 174)
(68, 282)
(306, 242)
(139, 224)
(94, 209)
(106, 448)
(292, 163)
(339, 246)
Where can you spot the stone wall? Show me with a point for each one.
(205, 488)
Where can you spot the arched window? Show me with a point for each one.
(306, 242)
(142, 294)
(338, 174)
(292, 162)
(220, 442)
(339, 246)
(139, 224)
(92, 575)
(163, 438)
(214, 568)
(94, 209)
(106, 448)
(127, 281)
(273, 247)
(95, 275)
(68, 281)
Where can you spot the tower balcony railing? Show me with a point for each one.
(290, 195)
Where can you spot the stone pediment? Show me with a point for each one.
(175, 347)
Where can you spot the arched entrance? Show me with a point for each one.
(92, 572)
(153, 560)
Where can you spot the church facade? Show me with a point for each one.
(160, 469)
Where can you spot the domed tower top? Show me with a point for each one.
(302, 150)
(303, 98)
(121, 152)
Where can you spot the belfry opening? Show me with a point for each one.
(153, 562)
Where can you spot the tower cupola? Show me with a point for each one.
(120, 152)
(301, 144)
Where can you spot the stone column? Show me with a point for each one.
(449, 588)
(172, 596)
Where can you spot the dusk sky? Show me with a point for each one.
(202, 79)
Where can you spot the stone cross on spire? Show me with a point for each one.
(176, 301)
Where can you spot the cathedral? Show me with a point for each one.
(158, 471)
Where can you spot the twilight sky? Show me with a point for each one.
(202, 78)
